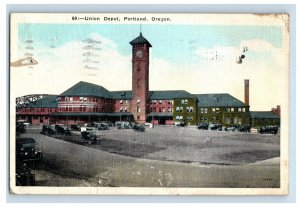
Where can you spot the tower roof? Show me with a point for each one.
(140, 40)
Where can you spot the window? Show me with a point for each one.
(138, 83)
(81, 98)
(163, 109)
(243, 109)
(189, 118)
(189, 109)
(160, 101)
(239, 109)
(138, 117)
(159, 110)
(169, 109)
(227, 120)
(121, 101)
(71, 98)
(70, 108)
(121, 109)
(84, 99)
(201, 110)
(138, 101)
(138, 109)
(179, 117)
(67, 108)
(217, 110)
(213, 110)
(125, 109)
(232, 110)
(138, 66)
(228, 109)
(67, 99)
(179, 109)
(80, 108)
(205, 110)
(182, 101)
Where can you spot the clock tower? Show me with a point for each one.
(140, 78)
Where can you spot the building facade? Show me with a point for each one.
(86, 102)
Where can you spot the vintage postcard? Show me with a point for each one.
(149, 104)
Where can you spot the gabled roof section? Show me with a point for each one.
(218, 100)
(140, 40)
(87, 89)
(121, 95)
(49, 101)
(169, 95)
(263, 115)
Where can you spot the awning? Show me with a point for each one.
(91, 114)
(160, 114)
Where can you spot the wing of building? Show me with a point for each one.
(86, 102)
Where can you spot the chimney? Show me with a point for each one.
(246, 92)
(278, 110)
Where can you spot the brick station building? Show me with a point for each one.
(86, 102)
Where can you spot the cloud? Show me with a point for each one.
(61, 67)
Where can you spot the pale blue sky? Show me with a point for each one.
(172, 42)
(183, 57)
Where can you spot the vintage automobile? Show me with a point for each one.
(244, 128)
(232, 128)
(203, 126)
(89, 136)
(48, 130)
(26, 150)
(123, 125)
(20, 128)
(25, 176)
(268, 129)
(215, 127)
(180, 124)
(138, 128)
(61, 129)
(75, 127)
(103, 126)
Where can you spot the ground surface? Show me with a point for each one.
(163, 156)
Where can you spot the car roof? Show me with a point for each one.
(25, 140)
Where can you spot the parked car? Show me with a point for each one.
(61, 129)
(123, 125)
(180, 124)
(103, 126)
(26, 150)
(20, 128)
(138, 127)
(244, 128)
(232, 128)
(75, 127)
(268, 129)
(215, 127)
(89, 136)
(203, 126)
(25, 176)
(48, 130)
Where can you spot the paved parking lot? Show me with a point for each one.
(163, 156)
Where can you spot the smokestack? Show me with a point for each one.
(246, 92)
(278, 110)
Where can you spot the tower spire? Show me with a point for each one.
(140, 29)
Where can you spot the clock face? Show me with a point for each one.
(139, 53)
